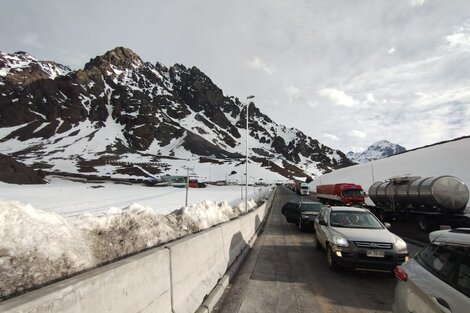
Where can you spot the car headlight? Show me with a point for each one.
(340, 241)
(304, 216)
(400, 244)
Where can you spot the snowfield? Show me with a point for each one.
(53, 231)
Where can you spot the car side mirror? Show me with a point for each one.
(387, 225)
(322, 222)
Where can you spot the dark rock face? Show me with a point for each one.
(14, 172)
(147, 106)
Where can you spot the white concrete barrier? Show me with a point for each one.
(175, 278)
(140, 283)
(197, 263)
(233, 240)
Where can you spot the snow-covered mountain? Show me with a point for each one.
(379, 150)
(120, 116)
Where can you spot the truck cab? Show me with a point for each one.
(304, 189)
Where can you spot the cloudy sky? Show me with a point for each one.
(346, 72)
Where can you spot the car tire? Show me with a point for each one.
(331, 259)
(316, 244)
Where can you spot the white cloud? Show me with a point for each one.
(370, 98)
(259, 64)
(330, 136)
(460, 37)
(293, 93)
(312, 104)
(417, 2)
(459, 40)
(391, 51)
(338, 96)
(358, 133)
(357, 149)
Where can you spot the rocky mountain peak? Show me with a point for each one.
(22, 68)
(120, 57)
(378, 150)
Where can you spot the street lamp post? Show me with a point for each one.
(187, 182)
(246, 143)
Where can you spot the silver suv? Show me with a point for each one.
(355, 238)
(437, 279)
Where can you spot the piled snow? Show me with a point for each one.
(39, 246)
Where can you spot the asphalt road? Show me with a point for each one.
(283, 273)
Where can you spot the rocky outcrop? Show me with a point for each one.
(14, 172)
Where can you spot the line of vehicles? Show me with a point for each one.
(430, 201)
(436, 280)
(355, 235)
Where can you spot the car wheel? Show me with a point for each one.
(316, 244)
(331, 259)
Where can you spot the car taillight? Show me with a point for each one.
(400, 273)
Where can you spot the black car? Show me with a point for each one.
(303, 214)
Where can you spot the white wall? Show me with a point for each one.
(451, 158)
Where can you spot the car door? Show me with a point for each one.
(320, 230)
(446, 270)
(290, 211)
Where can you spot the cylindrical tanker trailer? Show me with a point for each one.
(431, 201)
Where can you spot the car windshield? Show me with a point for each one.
(354, 219)
(353, 193)
(310, 207)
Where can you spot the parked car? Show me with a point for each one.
(437, 279)
(354, 238)
(303, 214)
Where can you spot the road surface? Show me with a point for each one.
(283, 273)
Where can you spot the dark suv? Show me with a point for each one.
(437, 279)
(303, 214)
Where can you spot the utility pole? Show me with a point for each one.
(246, 164)
(187, 183)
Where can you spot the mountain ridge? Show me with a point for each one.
(119, 107)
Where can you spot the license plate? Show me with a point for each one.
(375, 254)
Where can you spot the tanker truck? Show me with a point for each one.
(340, 194)
(431, 201)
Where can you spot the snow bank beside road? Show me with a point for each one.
(38, 246)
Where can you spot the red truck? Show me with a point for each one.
(340, 194)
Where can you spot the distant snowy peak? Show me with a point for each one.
(22, 68)
(379, 150)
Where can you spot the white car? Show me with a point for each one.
(437, 279)
(355, 238)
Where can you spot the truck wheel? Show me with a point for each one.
(426, 223)
(383, 216)
(330, 259)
